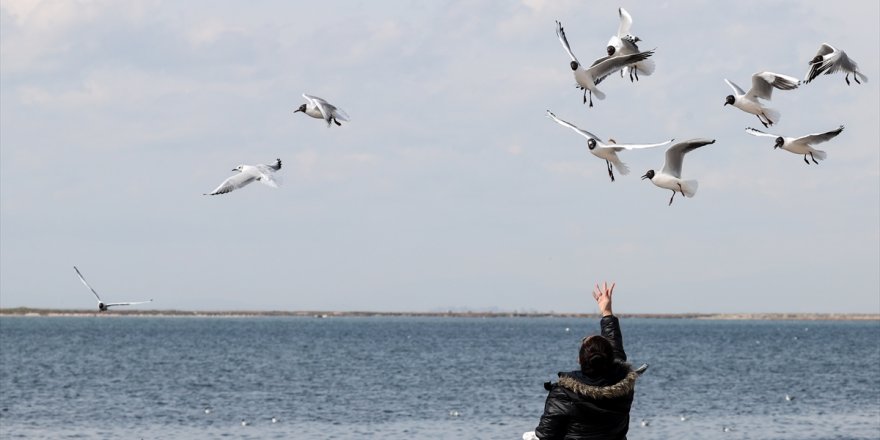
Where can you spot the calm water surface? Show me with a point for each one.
(109, 377)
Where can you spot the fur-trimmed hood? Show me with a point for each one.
(577, 382)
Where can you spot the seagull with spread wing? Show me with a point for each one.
(763, 84)
(830, 60)
(670, 176)
(587, 79)
(624, 43)
(609, 151)
(321, 109)
(102, 306)
(247, 174)
(800, 145)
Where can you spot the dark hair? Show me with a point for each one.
(596, 355)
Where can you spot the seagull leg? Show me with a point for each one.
(856, 77)
(762, 121)
(805, 159)
(670, 199)
(846, 78)
(336, 122)
(585, 96)
(591, 98)
(811, 157)
(610, 171)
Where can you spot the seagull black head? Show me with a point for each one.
(610, 50)
(301, 108)
(574, 65)
(729, 100)
(779, 142)
(591, 143)
(648, 175)
(816, 59)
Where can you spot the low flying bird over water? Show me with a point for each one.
(605, 151)
(800, 145)
(102, 306)
(587, 79)
(829, 60)
(670, 176)
(624, 43)
(321, 109)
(763, 84)
(247, 174)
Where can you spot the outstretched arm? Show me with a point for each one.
(609, 323)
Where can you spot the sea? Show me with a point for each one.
(122, 377)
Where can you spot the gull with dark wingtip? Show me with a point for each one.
(247, 174)
(670, 176)
(624, 43)
(588, 79)
(102, 306)
(763, 84)
(605, 151)
(830, 60)
(800, 145)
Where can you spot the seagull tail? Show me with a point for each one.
(598, 94)
(819, 154)
(689, 187)
(860, 76)
(773, 115)
(645, 67)
(621, 167)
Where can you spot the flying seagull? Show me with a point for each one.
(247, 174)
(102, 306)
(587, 79)
(624, 43)
(321, 109)
(801, 145)
(763, 84)
(605, 151)
(829, 60)
(670, 176)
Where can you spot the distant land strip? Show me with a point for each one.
(25, 311)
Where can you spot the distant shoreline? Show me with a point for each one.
(24, 311)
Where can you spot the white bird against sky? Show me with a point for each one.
(670, 176)
(608, 152)
(830, 60)
(800, 145)
(321, 109)
(763, 84)
(102, 306)
(588, 79)
(624, 43)
(247, 174)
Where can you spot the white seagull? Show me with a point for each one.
(321, 109)
(102, 306)
(829, 60)
(800, 145)
(247, 174)
(624, 43)
(763, 84)
(670, 176)
(605, 151)
(587, 79)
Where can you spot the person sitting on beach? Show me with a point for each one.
(594, 401)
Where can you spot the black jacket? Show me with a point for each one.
(580, 406)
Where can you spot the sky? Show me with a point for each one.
(449, 189)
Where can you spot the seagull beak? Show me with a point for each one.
(644, 177)
(725, 103)
(297, 110)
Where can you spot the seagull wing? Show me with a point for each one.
(756, 132)
(233, 183)
(640, 146)
(583, 133)
(675, 155)
(608, 65)
(763, 84)
(338, 113)
(87, 284)
(820, 137)
(829, 56)
(267, 175)
(320, 104)
(127, 303)
(626, 22)
(735, 87)
(841, 61)
(561, 34)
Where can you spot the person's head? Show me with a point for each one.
(596, 355)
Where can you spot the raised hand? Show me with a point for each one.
(602, 295)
